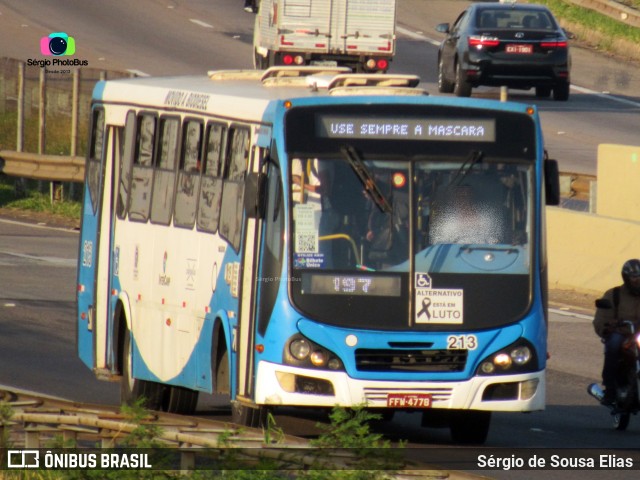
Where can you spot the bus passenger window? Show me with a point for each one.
(189, 176)
(142, 175)
(211, 188)
(126, 160)
(233, 190)
(238, 153)
(164, 176)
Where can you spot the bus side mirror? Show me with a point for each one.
(552, 182)
(255, 186)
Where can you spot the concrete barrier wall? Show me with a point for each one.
(586, 251)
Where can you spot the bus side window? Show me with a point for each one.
(233, 190)
(165, 175)
(189, 174)
(96, 150)
(142, 174)
(126, 160)
(211, 189)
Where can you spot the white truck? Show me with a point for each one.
(359, 34)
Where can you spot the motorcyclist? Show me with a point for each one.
(625, 305)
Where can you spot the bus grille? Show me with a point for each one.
(376, 396)
(381, 360)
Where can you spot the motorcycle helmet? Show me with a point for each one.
(631, 269)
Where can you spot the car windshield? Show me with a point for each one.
(515, 19)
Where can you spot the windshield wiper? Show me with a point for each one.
(475, 157)
(370, 185)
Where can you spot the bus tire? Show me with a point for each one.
(180, 400)
(133, 389)
(469, 426)
(220, 371)
(249, 416)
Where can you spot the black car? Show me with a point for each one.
(505, 44)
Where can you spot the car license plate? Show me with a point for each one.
(517, 48)
(409, 400)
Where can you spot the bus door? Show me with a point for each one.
(96, 261)
(242, 233)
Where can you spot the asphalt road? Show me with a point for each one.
(38, 353)
(171, 37)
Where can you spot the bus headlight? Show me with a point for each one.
(520, 357)
(318, 359)
(300, 348)
(302, 352)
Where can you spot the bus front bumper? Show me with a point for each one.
(285, 385)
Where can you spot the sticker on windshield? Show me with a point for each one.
(308, 260)
(306, 230)
(437, 305)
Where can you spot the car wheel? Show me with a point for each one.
(543, 92)
(462, 87)
(561, 92)
(444, 85)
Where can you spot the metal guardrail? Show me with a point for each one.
(38, 419)
(57, 168)
(618, 11)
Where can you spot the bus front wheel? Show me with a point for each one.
(133, 389)
(469, 426)
(249, 416)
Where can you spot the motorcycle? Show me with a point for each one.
(627, 401)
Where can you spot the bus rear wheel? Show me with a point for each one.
(469, 426)
(133, 389)
(180, 400)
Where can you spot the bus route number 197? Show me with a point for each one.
(462, 342)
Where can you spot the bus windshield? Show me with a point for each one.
(362, 224)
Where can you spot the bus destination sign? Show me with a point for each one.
(411, 128)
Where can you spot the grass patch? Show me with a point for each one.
(597, 30)
(37, 199)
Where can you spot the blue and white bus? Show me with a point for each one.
(308, 237)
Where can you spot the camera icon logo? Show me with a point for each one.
(58, 44)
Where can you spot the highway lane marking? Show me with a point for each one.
(570, 316)
(200, 23)
(63, 262)
(38, 225)
(607, 96)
